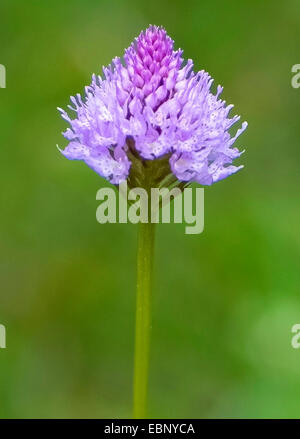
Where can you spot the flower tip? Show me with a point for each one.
(153, 28)
(219, 90)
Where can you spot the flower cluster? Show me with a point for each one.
(154, 101)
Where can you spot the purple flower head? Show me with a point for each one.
(152, 108)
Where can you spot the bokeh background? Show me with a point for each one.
(224, 301)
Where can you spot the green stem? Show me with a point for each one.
(143, 318)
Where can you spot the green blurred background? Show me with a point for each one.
(225, 300)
